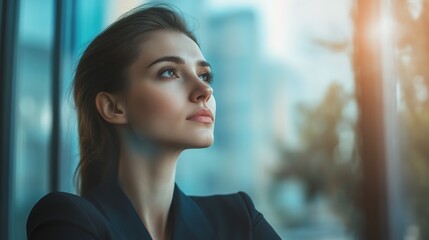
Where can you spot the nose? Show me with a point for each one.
(201, 92)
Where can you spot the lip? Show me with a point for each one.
(203, 115)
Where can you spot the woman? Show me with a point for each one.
(143, 95)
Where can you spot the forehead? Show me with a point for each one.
(163, 43)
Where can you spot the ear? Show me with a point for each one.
(111, 108)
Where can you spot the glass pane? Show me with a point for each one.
(411, 64)
(286, 113)
(33, 112)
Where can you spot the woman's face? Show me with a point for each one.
(169, 100)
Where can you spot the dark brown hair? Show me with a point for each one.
(103, 67)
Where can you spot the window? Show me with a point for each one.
(322, 110)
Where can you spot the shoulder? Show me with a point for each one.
(66, 216)
(236, 211)
(238, 203)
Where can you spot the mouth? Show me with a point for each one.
(203, 115)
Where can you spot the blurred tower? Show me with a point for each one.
(233, 49)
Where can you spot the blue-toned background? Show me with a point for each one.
(285, 67)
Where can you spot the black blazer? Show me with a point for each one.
(107, 213)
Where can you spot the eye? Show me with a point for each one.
(207, 77)
(168, 73)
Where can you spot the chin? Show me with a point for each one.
(201, 142)
(204, 145)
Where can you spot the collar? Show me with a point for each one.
(189, 222)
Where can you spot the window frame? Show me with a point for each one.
(8, 36)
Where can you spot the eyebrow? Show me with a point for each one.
(177, 60)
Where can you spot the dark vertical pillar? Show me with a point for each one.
(369, 94)
(8, 36)
(56, 114)
(63, 40)
(62, 53)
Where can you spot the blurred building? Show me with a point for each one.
(324, 128)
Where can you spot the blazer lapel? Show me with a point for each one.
(124, 221)
(188, 219)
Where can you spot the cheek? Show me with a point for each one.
(152, 105)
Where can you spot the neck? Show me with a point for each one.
(148, 181)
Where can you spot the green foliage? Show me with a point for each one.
(321, 164)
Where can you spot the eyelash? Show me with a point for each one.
(208, 75)
(168, 68)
